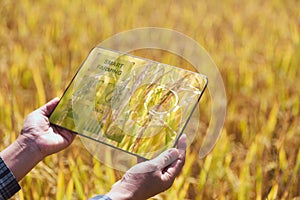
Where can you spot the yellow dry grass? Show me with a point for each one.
(255, 44)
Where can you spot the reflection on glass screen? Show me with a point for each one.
(136, 105)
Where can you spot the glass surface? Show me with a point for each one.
(136, 105)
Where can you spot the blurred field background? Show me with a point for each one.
(255, 44)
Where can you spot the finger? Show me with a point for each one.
(181, 146)
(49, 107)
(174, 169)
(140, 159)
(165, 159)
(170, 172)
(67, 135)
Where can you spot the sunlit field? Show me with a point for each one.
(255, 44)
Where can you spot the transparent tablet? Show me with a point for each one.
(133, 104)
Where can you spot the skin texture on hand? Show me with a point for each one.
(38, 131)
(149, 178)
(38, 139)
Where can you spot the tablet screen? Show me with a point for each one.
(133, 104)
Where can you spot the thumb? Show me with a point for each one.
(49, 107)
(165, 159)
(181, 145)
(157, 164)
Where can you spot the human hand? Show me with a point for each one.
(38, 139)
(38, 132)
(149, 178)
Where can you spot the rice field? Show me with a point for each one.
(255, 44)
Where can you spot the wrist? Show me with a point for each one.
(29, 147)
(20, 157)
